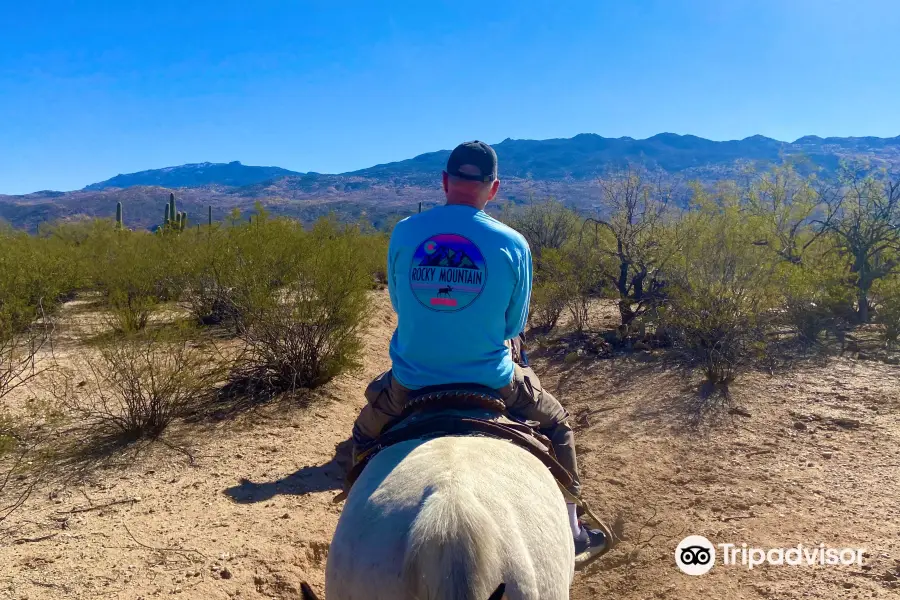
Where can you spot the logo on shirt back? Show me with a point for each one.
(447, 272)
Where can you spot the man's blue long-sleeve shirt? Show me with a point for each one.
(460, 282)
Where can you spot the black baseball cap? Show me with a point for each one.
(475, 154)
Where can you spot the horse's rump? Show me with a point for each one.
(453, 548)
(452, 518)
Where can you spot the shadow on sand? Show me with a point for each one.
(314, 478)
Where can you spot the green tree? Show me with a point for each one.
(637, 237)
(864, 216)
(785, 204)
(723, 288)
(782, 207)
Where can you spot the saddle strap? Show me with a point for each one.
(451, 399)
(459, 426)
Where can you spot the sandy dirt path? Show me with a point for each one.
(816, 461)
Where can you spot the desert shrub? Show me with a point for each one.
(21, 462)
(30, 289)
(716, 332)
(548, 301)
(19, 350)
(130, 312)
(138, 384)
(265, 261)
(10, 467)
(131, 270)
(13, 466)
(723, 293)
(818, 295)
(568, 276)
(26, 455)
(34, 279)
(307, 329)
(374, 242)
(206, 274)
(887, 314)
(172, 257)
(375, 250)
(547, 225)
(78, 243)
(578, 305)
(784, 206)
(225, 274)
(18, 365)
(564, 279)
(807, 316)
(813, 311)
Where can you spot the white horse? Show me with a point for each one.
(452, 518)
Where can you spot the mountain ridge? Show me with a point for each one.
(565, 168)
(233, 174)
(236, 174)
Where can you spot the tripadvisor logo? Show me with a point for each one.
(696, 555)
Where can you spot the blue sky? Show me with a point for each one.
(91, 89)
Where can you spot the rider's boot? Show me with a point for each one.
(590, 540)
(586, 540)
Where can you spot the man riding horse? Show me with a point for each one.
(462, 339)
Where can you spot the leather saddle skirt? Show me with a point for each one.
(461, 410)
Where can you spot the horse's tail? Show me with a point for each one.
(453, 550)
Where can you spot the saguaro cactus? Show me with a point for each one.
(210, 215)
(118, 215)
(183, 220)
(168, 218)
(172, 210)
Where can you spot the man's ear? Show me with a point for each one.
(445, 178)
(495, 187)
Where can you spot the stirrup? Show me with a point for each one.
(589, 556)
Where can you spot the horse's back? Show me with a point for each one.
(449, 518)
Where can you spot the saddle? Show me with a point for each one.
(460, 410)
